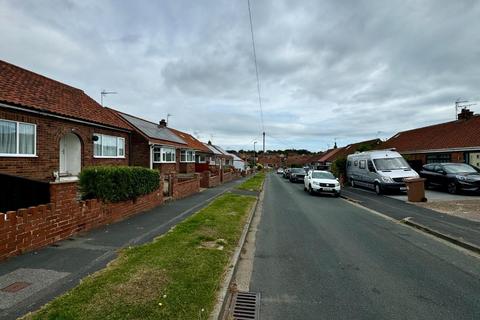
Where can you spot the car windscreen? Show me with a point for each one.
(391, 164)
(322, 175)
(459, 168)
(297, 170)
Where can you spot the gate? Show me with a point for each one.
(18, 192)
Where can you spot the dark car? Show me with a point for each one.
(454, 177)
(286, 173)
(297, 174)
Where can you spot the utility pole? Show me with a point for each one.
(263, 142)
(254, 155)
(104, 93)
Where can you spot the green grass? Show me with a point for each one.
(254, 183)
(181, 270)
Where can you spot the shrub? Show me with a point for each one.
(117, 183)
(339, 167)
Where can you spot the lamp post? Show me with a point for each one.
(254, 155)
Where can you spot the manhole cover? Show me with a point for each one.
(246, 306)
(15, 287)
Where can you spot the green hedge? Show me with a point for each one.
(117, 183)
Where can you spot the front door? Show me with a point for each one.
(70, 155)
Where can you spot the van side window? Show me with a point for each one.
(362, 164)
(355, 163)
(349, 163)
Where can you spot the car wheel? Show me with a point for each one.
(452, 188)
(310, 190)
(305, 188)
(378, 188)
(337, 194)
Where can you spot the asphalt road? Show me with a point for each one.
(325, 258)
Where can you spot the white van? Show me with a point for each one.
(381, 170)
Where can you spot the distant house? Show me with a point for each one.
(238, 163)
(50, 130)
(325, 160)
(157, 147)
(454, 141)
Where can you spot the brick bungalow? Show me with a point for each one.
(215, 160)
(454, 141)
(156, 146)
(201, 153)
(50, 130)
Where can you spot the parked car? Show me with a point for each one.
(454, 177)
(297, 174)
(286, 173)
(280, 171)
(319, 181)
(380, 170)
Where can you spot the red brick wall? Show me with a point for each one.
(182, 189)
(186, 167)
(49, 133)
(140, 151)
(208, 180)
(36, 227)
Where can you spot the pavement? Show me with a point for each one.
(438, 196)
(31, 280)
(454, 227)
(320, 257)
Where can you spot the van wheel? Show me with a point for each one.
(378, 188)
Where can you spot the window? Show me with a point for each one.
(187, 156)
(438, 157)
(163, 155)
(201, 159)
(355, 163)
(106, 146)
(362, 165)
(17, 139)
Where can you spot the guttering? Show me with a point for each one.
(52, 115)
(441, 150)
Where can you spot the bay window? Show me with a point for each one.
(17, 139)
(187, 156)
(201, 158)
(163, 155)
(105, 146)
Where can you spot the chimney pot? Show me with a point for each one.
(162, 123)
(465, 114)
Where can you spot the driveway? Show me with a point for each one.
(320, 257)
(436, 196)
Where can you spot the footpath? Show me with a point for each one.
(462, 232)
(35, 278)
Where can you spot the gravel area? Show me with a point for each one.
(467, 209)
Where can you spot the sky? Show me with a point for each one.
(329, 70)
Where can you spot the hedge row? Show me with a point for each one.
(117, 183)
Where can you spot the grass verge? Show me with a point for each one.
(254, 183)
(177, 276)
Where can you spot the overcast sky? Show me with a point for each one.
(347, 70)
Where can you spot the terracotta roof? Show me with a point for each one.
(330, 155)
(449, 135)
(191, 141)
(30, 90)
(352, 148)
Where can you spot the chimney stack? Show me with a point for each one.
(465, 114)
(162, 123)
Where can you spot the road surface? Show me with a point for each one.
(319, 257)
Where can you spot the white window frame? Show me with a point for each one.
(163, 151)
(184, 156)
(100, 135)
(200, 158)
(17, 146)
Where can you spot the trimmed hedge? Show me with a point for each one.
(117, 183)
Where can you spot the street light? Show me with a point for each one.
(254, 155)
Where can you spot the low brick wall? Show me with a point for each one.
(208, 180)
(28, 229)
(185, 188)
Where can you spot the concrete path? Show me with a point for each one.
(30, 280)
(451, 226)
(319, 257)
(437, 196)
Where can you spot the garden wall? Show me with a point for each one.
(184, 188)
(35, 227)
(208, 180)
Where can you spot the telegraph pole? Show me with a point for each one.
(263, 142)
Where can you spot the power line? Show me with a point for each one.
(256, 72)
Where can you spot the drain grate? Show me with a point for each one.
(246, 306)
(16, 286)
